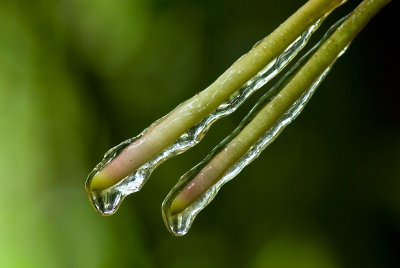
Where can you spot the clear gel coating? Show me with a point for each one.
(180, 223)
(107, 201)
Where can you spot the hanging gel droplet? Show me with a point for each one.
(177, 215)
(106, 201)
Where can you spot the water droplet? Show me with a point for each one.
(259, 42)
(180, 223)
(107, 201)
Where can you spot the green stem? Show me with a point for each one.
(170, 128)
(272, 112)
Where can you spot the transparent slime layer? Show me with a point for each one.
(180, 223)
(107, 201)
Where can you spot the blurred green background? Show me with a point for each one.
(79, 76)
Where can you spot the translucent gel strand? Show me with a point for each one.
(179, 224)
(107, 201)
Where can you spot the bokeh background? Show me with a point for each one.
(79, 76)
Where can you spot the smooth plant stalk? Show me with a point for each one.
(161, 135)
(271, 113)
